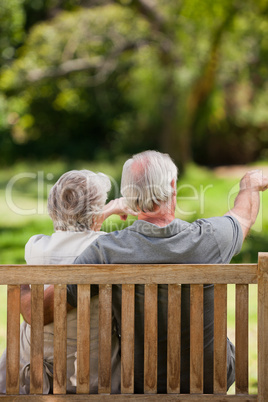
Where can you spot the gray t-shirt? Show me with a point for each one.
(205, 241)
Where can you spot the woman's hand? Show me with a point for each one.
(118, 207)
(114, 207)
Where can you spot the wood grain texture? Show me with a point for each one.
(127, 339)
(150, 339)
(105, 342)
(196, 339)
(13, 339)
(83, 339)
(37, 339)
(263, 328)
(60, 340)
(241, 340)
(220, 339)
(129, 274)
(126, 398)
(140, 274)
(174, 339)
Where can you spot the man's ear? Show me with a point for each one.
(173, 185)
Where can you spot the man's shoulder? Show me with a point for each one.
(222, 223)
(114, 236)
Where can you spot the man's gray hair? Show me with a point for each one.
(76, 198)
(146, 180)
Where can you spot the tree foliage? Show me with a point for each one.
(85, 79)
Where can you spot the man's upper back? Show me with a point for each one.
(213, 240)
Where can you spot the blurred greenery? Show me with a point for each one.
(94, 79)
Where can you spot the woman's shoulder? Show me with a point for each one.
(37, 238)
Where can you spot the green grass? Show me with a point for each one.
(201, 194)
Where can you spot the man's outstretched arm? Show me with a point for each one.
(25, 304)
(247, 202)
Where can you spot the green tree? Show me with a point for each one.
(119, 76)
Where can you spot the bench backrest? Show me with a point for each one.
(128, 276)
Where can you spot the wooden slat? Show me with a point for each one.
(105, 346)
(133, 397)
(150, 339)
(196, 339)
(174, 339)
(241, 339)
(129, 274)
(127, 339)
(60, 340)
(83, 339)
(13, 339)
(220, 339)
(37, 339)
(263, 328)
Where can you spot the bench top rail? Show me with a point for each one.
(129, 274)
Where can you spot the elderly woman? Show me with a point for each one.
(76, 205)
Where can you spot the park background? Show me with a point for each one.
(87, 83)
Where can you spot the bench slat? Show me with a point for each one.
(263, 328)
(241, 339)
(135, 397)
(128, 339)
(83, 339)
(150, 339)
(105, 346)
(37, 339)
(196, 339)
(13, 339)
(220, 339)
(60, 339)
(174, 339)
(129, 274)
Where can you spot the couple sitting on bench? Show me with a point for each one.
(77, 207)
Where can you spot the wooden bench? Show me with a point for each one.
(128, 275)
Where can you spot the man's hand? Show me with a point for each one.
(254, 180)
(247, 202)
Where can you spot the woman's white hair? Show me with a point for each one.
(76, 198)
(146, 180)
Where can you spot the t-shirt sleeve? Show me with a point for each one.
(90, 255)
(229, 236)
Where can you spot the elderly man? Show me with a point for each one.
(149, 187)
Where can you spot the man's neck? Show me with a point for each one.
(157, 218)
